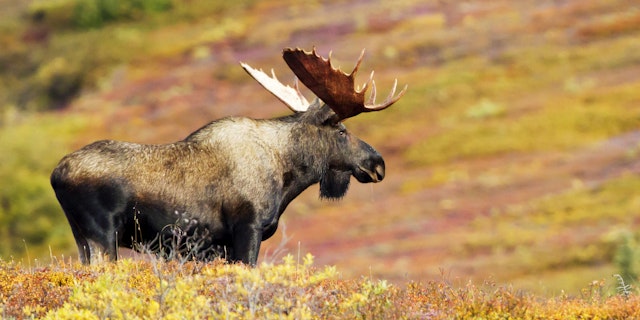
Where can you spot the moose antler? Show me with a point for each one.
(334, 87)
(290, 96)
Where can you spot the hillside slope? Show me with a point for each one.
(513, 156)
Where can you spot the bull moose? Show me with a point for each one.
(224, 187)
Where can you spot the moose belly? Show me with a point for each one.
(156, 229)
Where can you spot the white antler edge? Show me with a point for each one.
(292, 97)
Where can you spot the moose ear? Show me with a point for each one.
(320, 114)
(331, 119)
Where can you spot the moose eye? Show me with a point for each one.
(342, 132)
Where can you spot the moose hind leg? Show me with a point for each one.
(78, 224)
(84, 248)
(92, 214)
(99, 241)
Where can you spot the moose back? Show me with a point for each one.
(221, 190)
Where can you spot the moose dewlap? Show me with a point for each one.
(220, 191)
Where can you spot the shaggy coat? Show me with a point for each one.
(219, 192)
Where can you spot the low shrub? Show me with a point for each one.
(153, 289)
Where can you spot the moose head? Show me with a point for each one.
(338, 93)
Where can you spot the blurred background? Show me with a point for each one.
(513, 157)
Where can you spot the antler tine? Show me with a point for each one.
(366, 84)
(393, 89)
(355, 69)
(390, 98)
(296, 85)
(372, 95)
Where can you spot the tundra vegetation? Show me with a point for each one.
(291, 289)
(515, 150)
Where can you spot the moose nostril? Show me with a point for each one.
(380, 172)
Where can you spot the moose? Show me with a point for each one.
(224, 187)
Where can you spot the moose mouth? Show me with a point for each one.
(364, 175)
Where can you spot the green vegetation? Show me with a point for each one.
(495, 108)
(57, 48)
(588, 225)
(289, 290)
(627, 258)
(29, 212)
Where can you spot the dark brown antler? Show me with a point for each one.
(334, 87)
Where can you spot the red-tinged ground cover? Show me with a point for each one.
(292, 290)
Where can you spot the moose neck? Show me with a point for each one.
(308, 156)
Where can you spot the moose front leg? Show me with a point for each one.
(246, 244)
